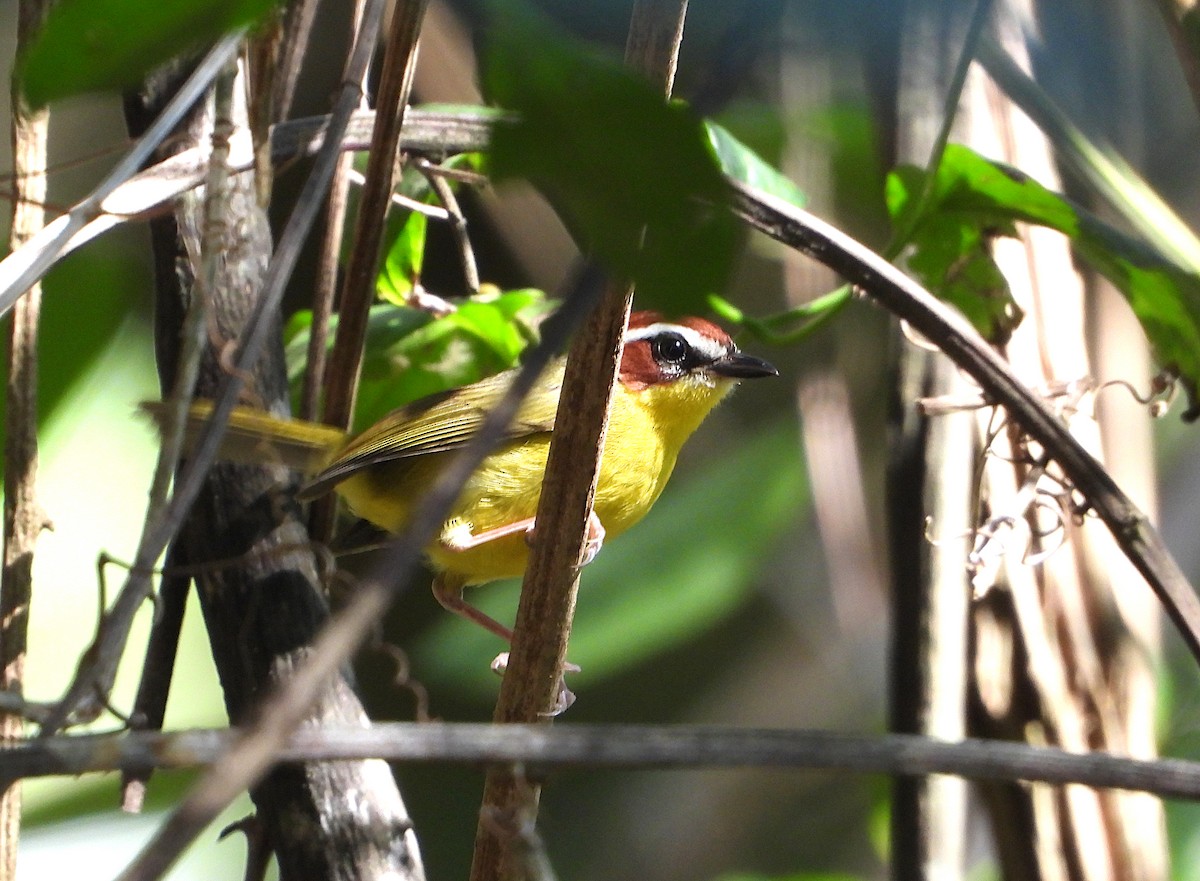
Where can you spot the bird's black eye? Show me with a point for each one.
(670, 348)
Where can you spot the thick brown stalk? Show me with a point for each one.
(530, 691)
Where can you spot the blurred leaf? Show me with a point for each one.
(403, 261)
(691, 563)
(973, 198)
(411, 354)
(799, 876)
(613, 155)
(91, 45)
(744, 165)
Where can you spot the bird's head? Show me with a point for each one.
(683, 368)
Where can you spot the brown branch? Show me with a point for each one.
(158, 668)
(904, 298)
(626, 747)
(325, 285)
(23, 516)
(531, 690)
(358, 289)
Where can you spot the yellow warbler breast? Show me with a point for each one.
(646, 431)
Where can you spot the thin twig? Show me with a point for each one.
(901, 296)
(158, 667)
(24, 518)
(325, 287)
(458, 223)
(532, 688)
(629, 747)
(358, 289)
(298, 19)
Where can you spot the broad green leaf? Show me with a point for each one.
(93, 45)
(403, 261)
(744, 165)
(708, 538)
(613, 155)
(973, 198)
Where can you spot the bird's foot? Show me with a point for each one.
(565, 696)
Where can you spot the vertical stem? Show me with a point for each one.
(531, 686)
(358, 292)
(23, 517)
(327, 273)
(359, 289)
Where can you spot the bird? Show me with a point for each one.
(671, 374)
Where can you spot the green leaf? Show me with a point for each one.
(613, 155)
(92, 45)
(973, 198)
(403, 261)
(708, 538)
(744, 165)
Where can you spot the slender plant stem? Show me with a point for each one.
(325, 288)
(358, 289)
(23, 516)
(532, 689)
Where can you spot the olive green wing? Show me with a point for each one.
(438, 424)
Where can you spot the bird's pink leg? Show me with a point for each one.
(448, 590)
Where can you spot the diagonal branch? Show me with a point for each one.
(904, 298)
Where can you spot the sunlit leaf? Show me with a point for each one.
(973, 198)
(92, 45)
(403, 261)
(744, 165)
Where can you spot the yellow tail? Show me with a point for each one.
(257, 437)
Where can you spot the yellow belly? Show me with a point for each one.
(645, 434)
(504, 490)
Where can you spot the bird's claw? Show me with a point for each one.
(565, 697)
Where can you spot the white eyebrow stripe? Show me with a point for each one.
(706, 346)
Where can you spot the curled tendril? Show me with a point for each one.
(1164, 388)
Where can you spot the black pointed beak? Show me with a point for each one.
(739, 365)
